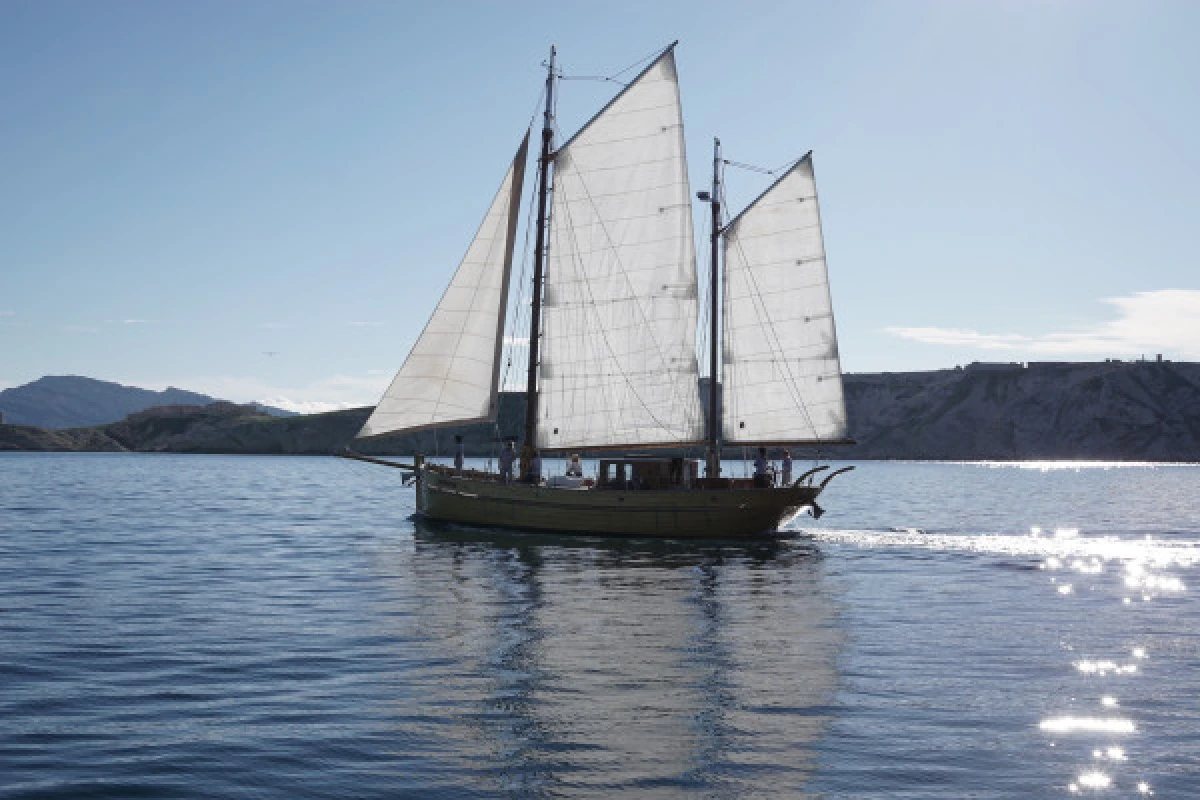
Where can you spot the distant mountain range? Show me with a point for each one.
(71, 401)
(1120, 411)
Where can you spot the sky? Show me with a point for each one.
(264, 201)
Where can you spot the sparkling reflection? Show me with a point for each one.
(1095, 780)
(1111, 754)
(1127, 572)
(1087, 725)
(1105, 667)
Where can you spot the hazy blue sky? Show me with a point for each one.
(187, 187)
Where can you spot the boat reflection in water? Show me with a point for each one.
(595, 665)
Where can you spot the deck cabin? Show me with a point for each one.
(647, 472)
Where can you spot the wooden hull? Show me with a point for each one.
(672, 513)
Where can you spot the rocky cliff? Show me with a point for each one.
(1114, 411)
(1109, 410)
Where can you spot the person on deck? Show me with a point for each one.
(507, 455)
(574, 467)
(787, 468)
(460, 454)
(535, 468)
(762, 477)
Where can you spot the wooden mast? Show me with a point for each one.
(539, 261)
(714, 416)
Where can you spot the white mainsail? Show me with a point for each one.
(618, 364)
(451, 374)
(782, 376)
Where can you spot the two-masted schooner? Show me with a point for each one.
(612, 358)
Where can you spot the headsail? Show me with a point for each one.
(782, 375)
(451, 374)
(618, 364)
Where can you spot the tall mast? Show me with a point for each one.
(714, 417)
(539, 261)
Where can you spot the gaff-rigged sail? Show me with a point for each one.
(618, 363)
(782, 376)
(451, 374)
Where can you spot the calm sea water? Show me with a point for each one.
(206, 626)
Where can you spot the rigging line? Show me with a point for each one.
(705, 301)
(602, 78)
(637, 300)
(537, 106)
(613, 78)
(773, 340)
(515, 321)
(700, 336)
(727, 399)
(750, 167)
(514, 325)
(755, 168)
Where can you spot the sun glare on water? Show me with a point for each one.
(1087, 725)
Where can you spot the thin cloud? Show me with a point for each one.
(961, 337)
(1162, 321)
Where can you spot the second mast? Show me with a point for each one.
(539, 262)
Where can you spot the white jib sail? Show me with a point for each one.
(618, 364)
(451, 374)
(782, 376)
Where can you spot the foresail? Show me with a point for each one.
(782, 376)
(451, 374)
(618, 364)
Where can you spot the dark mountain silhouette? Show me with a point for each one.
(1132, 411)
(71, 401)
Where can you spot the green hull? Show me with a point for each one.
(668, 513)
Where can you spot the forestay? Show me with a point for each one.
(782, 376)
(618, 364)
(451, 374)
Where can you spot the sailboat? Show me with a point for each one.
(612, 345)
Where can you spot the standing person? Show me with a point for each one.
(575, 467)
(460, 453)
(761, 478)
(535, 468)
(787, 468)
(506, 461)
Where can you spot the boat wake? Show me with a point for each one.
(1063, 547)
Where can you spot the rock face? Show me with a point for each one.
(71, 401)
(1143, 411)
(1121, 411)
